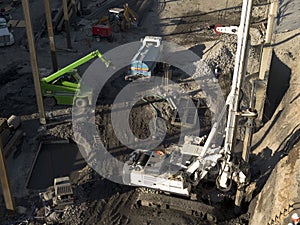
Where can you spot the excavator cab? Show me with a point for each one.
(62, 89)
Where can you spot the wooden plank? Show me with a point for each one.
(51, 35)
(61, 22)
(33, 164)
(8, 8)
(12, 23)
(33, 61)
(58, 20)
(57, 17)
(21, 24)
(12, 142)
(6, 190)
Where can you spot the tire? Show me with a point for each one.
(49, 101)
(81, 102)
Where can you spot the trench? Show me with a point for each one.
(278, 84)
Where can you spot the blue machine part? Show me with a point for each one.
(144, 61)
(140, 68)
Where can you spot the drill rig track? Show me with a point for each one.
(191, 207)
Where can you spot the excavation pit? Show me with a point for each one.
(54, 160)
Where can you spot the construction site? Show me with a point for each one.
(149, 112)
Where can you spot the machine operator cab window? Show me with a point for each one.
(70, 79)
(115, 14)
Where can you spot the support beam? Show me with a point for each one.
(33, 60)
(8, 198)
(266, 59)
(51, 35)
(67, 23)
(271, 20)
(267, 49)
(74, 6)
(250, 124)
(167, 74)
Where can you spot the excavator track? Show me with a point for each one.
(190, 207)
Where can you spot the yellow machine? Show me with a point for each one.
(129, 15)
(124, 17)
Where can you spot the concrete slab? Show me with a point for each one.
(16, 23)
(21, 24)
(12, 23)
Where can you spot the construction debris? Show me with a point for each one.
(91, 199)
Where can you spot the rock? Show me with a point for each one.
(53, 217)
(21, 209)
(45, 72)
(47, 195)
(256, 36)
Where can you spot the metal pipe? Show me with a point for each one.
(238, 76)
(250, 124)
(234, 96)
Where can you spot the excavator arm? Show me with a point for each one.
(129, 13)
(76, 64)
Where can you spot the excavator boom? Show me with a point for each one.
(76, 64)
(128, 12)
(61, 86)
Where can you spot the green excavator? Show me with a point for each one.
(60, 87)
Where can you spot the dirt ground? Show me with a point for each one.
(97, 200)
